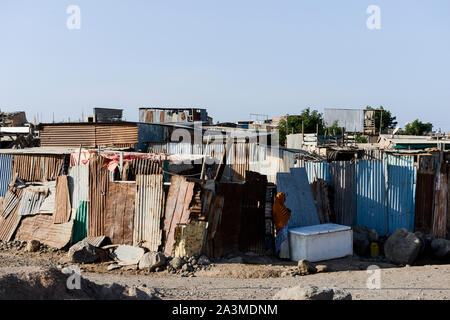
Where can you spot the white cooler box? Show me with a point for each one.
(320, 242)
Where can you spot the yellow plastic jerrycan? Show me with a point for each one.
(374, 250)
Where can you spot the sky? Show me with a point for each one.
(234, 58)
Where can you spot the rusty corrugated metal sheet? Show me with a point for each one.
(90, 135)
(213, 211)
(5, 173)
(9, 224)
(98, 189)
(95, 241)
(253, 231)
(440, 208)
(343, 181)
(37, 167)
(120, 208)
(177, 209)
(63, 209)
(423, 218)
(149, 211)
(41, 227)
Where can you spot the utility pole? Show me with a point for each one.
(381, 121)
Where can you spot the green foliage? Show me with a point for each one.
(417, 128)
(361, 138)
(388, 120)
(334, 130)
(310, 119)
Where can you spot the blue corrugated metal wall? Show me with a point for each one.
(401, 192)
(318, 170)
(5, 173)
(371, 195)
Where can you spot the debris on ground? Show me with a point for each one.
(52, 284)
(363, 236)
(312, 293)
(82, 252)
(33, 246)
(402, 247)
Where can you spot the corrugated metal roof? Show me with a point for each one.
(5, 173)
(80, 227)
(149, 211)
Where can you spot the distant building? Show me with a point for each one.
(352, 120)
(173, 115)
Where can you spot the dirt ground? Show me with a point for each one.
(257, 279)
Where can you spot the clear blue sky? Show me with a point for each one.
(231, 57)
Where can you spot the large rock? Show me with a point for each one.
(82, 252)
(441, 248)
(176, 263)
(305, 267)
(402, 247)
(128, 255)
(362, 237)
(152, 260)
(312, 293)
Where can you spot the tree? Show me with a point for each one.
(417, 128)
(388, 120)
(310, 120)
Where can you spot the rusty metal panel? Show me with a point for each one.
(214, 207)
(253, 230)
(424, 202)
(98, 189)
(63, 208)
(226, 239)
(41, 227)
(440, 208)
(177, 210)
(78, 178)
(37, 167)
(9, 224)
(90, 134)
(343, 181)
(119, 216)
(5, 173)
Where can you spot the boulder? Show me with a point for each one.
(33, 246)
(176, 263)
(128, 255)
(152, 260)
(82, 252)
(312, 293)
(363, 236)
(402, 247)
(441, 248)
(423, 241)
(305, 267)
